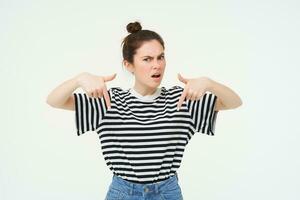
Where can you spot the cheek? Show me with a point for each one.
(145, 69)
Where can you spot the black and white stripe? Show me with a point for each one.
(144, 141)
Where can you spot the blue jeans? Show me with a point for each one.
(121, 189)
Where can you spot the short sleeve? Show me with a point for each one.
(88, 112)
(203, 113)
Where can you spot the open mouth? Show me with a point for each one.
(155, 76)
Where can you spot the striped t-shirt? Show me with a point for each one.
(143, 137)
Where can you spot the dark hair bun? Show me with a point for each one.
(134, 27)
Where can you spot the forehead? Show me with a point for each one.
(150, 48)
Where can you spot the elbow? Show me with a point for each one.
(50, 103)
(236, 105)
(239, 104)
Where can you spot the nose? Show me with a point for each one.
(157, 64)
(156, 67)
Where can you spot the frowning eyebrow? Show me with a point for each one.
(162, 54)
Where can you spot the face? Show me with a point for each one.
(148, 60)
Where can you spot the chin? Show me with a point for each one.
(156, 85)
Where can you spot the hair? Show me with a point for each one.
(136, 38)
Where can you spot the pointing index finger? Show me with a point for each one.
(106, 97)
(181, 99)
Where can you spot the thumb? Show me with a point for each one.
(181, 78)
(109, 78)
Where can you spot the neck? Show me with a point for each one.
(144, 90)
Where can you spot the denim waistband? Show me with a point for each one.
(139, 188)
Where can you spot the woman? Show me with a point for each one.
(144, 130)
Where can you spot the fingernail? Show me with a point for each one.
(177, 108)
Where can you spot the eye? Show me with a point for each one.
(162, 57)
(146, 59)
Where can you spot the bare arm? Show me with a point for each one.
(94, 86)
(62, 96)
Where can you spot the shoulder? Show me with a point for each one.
(173, 89)
(177, 88)
(118, 91)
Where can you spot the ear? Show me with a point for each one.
(128, 66)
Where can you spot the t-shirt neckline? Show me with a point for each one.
(147, 98)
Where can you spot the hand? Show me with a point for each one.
(95, 85)
(194, 89)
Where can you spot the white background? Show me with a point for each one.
(250, 46)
